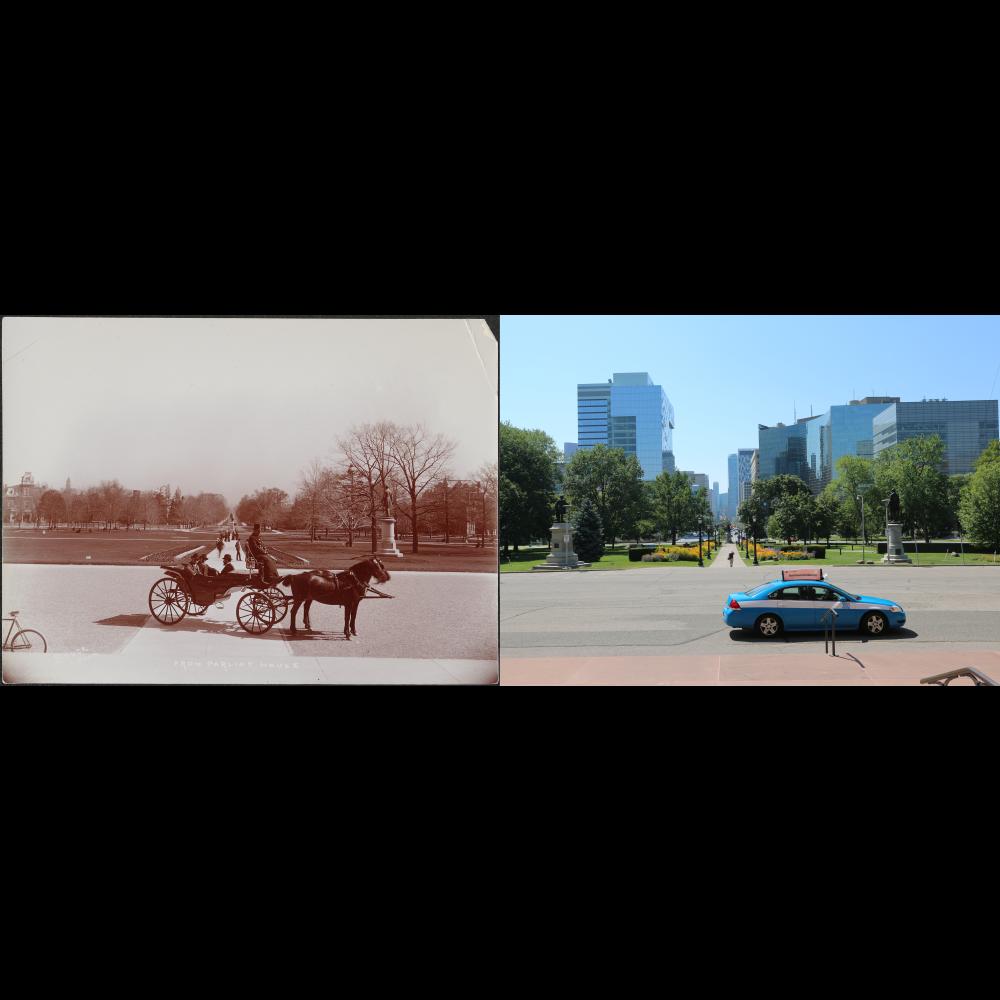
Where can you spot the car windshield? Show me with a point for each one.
(758, 590)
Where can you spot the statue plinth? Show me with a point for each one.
(894, 544)
(561, 555)
(387, 538)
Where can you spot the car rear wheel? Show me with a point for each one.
(768, 626)
(874, 623)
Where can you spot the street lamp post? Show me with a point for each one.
(700, 562)
(862, 499)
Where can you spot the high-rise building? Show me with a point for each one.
(733, 495)
(569, 450)
(842, 430)
(966, 426)
(783, 449)
(715, 499)
(744, 457)
(724, 506)
(698, 480)
(629, 412)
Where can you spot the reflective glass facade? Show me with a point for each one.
(733, 493)
(966, 426)
(783, 450)
(630, 413)
(843, 430)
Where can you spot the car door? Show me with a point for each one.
(827, 598)
(848, 613)
(797, 610)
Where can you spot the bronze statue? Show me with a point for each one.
(892, 508)
(560, 510)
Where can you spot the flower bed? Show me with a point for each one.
(672, 553)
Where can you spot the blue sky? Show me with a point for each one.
(727, 374)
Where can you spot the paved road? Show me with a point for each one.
(664, 611)
(445, 620)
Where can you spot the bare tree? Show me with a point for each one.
(418, 461)
(111, 496)
(486, 486)
(367, 449)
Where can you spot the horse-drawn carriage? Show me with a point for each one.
(182, 592)
(262, 605)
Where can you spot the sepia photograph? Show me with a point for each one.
(250, 501)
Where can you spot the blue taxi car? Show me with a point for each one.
(800, 601)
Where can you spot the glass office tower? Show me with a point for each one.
(842, 430)
(628, 412)
(783, 449)
(733, 493)
(965, 425)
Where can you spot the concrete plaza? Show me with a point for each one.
(663, 625)
(440, 629)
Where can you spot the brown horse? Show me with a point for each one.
(346, 588)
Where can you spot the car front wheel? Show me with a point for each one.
(874, 624)
(768, 626)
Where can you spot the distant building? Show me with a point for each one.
(20, 501)
(569, 450)
(965, 425)
(698, 480)
(733, 494)
(715, 499)
(744, 456)
(629, 412)
(783, 449)
(723, 511)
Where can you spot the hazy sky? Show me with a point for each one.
(727, 374)
(231, 405)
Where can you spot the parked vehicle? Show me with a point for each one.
(800, 602)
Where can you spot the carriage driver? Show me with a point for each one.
(268, 567)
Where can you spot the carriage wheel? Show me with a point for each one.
(168, 602)
(255, 613)
(279, 601)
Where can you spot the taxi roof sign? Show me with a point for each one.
(802, 574)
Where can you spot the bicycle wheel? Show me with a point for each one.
(28, 640)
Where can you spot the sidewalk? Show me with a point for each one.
(721, 561)
(806, 669)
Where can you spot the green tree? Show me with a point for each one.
(588, 532)
(612, 481)
(826, 515)
(979, 507)
(913, 469)
(673, 503)
(855, 479)
(527, 481)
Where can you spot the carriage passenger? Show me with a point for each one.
(227, 565)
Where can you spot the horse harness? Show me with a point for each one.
(336, 579)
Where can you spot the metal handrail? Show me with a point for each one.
(943, 680)
(829, 615)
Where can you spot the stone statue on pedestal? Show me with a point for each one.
(560, 510)
(892, 508)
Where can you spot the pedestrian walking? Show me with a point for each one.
(218, 545)
(730, 560)
(238, 554)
